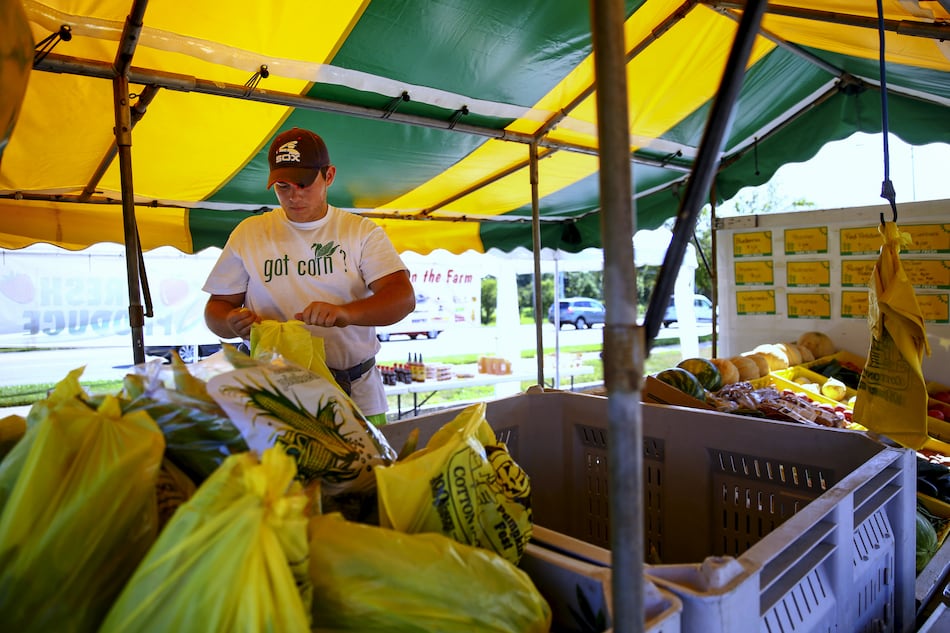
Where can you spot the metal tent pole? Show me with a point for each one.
(623, 348)
(707, 162)
(123, 140)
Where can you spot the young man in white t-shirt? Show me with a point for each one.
(334, 270)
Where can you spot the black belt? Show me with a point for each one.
(344, 377)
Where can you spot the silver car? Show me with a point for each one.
(581, 312)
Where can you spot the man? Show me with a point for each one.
(335, 271)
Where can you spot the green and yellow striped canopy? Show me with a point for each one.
(431, 108)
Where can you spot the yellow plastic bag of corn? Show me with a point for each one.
(273, 400)
(892, 393)
(372, 579)
(77, 510)
(233, 558)
(463, 484)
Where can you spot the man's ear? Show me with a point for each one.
(330, 175)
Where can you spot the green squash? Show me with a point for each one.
(706, 373)
(926, 541)
(684, 381)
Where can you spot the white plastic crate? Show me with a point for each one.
(759, 525)
(579, 594)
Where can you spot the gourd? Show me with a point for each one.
(818, 342)
(791, 353)
(760, 361)
(684, 381)
(926, 541)
(748, 370)
(776, 356)
(706, 373)
(727, 370)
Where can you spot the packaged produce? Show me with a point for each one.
(77, 510)
(273, 401)
(462, 484)
(368, 579)
(892, 394)
(233, 558)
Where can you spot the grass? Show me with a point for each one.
(659, 359)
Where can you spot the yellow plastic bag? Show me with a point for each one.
(892, 394)
(77, 511)
(372, 579)
(233, 558)
(464, 485)
(276, 400)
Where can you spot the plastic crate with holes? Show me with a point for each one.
(753, 524)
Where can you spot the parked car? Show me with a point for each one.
(702, 308)
(581, 312)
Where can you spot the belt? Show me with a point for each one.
(344, 377)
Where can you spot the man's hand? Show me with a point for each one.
(240, 321)
(325, 315)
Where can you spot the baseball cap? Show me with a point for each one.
(296, 156)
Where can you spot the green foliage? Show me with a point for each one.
(489, 299)
(576, 284)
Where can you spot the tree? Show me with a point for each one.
(489, 299)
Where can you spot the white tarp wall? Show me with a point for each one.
(780, 275)
(51, 297)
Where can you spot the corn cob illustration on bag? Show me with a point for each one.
(277, 402)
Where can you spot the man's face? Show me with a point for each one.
(305, 204)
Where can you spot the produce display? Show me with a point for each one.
(771, 381)
(159, 508)
(809, 381)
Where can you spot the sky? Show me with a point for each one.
(850, 173)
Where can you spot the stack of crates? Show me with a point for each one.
(752, 524)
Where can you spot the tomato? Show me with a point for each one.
(936, 413)
(942, 396)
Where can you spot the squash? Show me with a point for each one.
(684, 381)
(760, 361)
(818, 342)
(776, 357)
(748, 370)
(727, 370)
(705, 372)
(807, 356)
(791, 353)
(926, 541)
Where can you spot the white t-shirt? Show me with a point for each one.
(283, 266)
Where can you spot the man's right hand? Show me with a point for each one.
(240, 320)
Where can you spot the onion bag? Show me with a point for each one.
(232, 558)
(276, 401)
(77, 511)
(892, 394)
(368, 579)
(464, 485)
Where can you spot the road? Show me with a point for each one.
(108, 363)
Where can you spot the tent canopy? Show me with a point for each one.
(430, 110)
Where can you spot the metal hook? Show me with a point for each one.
(44, 46)
(394, 103)
(888, 193)
(252, 83)
(458, 114)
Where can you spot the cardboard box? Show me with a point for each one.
(658, 392)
